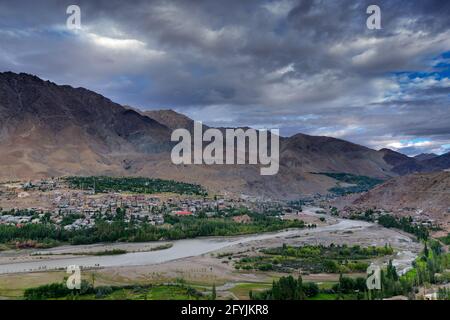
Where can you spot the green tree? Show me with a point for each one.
(214, 294)
(300, 290)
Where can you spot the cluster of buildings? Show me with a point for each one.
(18, 220)
(73, 209)
(54, 198)
(418, 216)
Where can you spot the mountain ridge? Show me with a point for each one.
(51, 130)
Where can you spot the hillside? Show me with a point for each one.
(425, 193)
(52, 130)
(404, 165)
(170, 119)
(326, 154)
(441, 162)
(425, 156)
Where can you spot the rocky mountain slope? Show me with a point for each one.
(425, 156)
(422, 190)
(439, 163)
(170, 119)
(404, 165)
(419, 193)
(52, 130)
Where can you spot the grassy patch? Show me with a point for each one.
(446, 239)
(112, 252)
(324, 296)
(242, 290)
(12, 286)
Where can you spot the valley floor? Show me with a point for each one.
(214, 266)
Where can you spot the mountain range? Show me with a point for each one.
(53, 130)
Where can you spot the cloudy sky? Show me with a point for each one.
(298, 65)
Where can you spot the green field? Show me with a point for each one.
(242, 290)
(59, 291)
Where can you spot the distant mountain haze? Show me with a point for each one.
(404, 165)
(425, 156)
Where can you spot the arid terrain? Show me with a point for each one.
(416, 195)
(50, 130)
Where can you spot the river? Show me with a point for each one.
(180, 249)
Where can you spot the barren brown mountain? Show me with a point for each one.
(170, 119)
(51, 130)
(420, 193)
(422, 163)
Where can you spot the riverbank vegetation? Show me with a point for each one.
(314, 259)
(404, 223)
(390, 221)
(121, 229)
(112, 252)
(431, 268)
(107, 252)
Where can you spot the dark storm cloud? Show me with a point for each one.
(309, 66)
